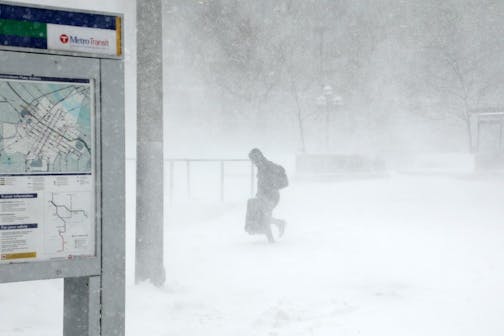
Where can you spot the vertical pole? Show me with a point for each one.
(113, 224)
(149, 228)
(188, 175)
(81, 307)
(222, 181)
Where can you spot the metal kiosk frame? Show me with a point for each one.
(94, 287)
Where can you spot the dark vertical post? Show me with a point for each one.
(82, 306)
(149, 228)
(113, 228)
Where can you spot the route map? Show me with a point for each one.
(45, 125)
(48, 201)
(67, 226)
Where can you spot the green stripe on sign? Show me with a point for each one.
(23, 28)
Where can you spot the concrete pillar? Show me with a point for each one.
(149, 226)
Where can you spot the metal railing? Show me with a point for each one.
(188, 165)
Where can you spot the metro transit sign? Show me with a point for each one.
(60, 30)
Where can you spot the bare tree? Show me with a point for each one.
(460, 54)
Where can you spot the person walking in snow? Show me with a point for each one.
(271, 177)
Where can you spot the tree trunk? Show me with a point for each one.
(470, 141)
(467, 119)
(299, 119)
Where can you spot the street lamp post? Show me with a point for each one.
(329, 101)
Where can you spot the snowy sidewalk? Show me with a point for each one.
(397, 256)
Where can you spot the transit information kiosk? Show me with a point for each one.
(61, 175)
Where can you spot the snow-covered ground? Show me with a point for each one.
(401, 255)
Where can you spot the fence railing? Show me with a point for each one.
(188, 165)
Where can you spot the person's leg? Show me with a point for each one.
(269, 202)
(280, 223)
(269, 234)
(275, 199)
(266, 221)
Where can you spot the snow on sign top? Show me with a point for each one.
(60, 31)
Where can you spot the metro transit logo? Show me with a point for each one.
(80, 41)
(64, 38)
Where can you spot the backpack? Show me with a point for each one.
(279, 178)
